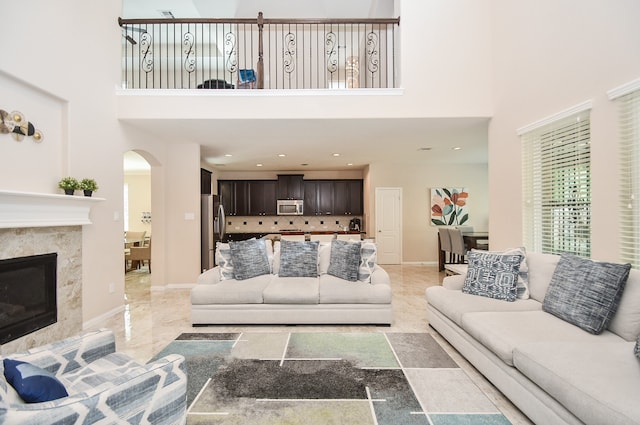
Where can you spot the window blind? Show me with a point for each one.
(556, 179)
(629, 116)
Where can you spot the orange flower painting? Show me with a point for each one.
(449, 206)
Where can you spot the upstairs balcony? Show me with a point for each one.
(260, 53)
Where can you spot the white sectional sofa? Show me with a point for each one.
(276, 299)
(552, 370)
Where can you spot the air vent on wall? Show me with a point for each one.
(167, 14)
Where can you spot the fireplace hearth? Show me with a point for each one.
(28, 299)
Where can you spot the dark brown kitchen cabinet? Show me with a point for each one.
(347, 197)
(262, 197)
(205, 182)
(234, 196)
(318, 197)
(290, 186)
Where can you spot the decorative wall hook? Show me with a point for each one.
(18, 126)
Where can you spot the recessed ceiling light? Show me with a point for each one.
(228, 155)
(350, 164)
(336, 154)
(281, 155)
(456, 148)
(258, 165)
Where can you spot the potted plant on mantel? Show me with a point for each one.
(69, 185)
(89, 186)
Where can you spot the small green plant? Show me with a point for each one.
(88, 184)
(69, 183)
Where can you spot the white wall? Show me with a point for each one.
(419, 237)
(550, 55)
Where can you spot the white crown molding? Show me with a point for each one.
(29, 209)
(624, 89)
(584, 106)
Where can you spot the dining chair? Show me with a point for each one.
(458, 248)
(445, 243)
(139, 254)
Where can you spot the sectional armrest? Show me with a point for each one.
(209, 277)
(72, 353)
(379, 276)
(454, 282)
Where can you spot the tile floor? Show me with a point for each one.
(152, 319)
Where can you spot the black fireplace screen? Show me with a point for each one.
(27, 295)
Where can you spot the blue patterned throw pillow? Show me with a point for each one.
(33, 384)
(345, 260)
(298, 259)
(493, 275)
(585, 293)
(249, 259)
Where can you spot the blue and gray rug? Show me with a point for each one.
(327, 378)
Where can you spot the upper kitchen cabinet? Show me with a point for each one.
(205, 182)
(262, 197)
(318, 197)
(234, 196)
(290, 186)
(347, 197)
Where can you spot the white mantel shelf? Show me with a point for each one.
(28, 209)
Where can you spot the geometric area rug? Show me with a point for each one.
(320, 378)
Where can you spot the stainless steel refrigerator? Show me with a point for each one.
(213, 229)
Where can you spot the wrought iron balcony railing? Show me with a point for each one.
(259, 53)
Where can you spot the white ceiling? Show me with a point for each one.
(307, 141)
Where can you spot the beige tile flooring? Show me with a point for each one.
(152, 319)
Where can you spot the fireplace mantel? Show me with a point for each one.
(28, 209)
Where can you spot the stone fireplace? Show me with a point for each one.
(33, 224)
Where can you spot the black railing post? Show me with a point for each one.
(260, 76)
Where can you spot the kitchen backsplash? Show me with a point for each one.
(275, 224)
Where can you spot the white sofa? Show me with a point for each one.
(273, 299)
(552, 370)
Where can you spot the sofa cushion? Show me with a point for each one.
(595, 381)
(334, 290)
(249, 258)
(291, 290)
(298, 259)
(345, 260)
(541, 268)
(626, 321)
(522, 288)
(368, 258)
(324, 257)
(585, 293)
(32, 383)
(503, 332)
(223, 260)
(492, 275)
(454, 303)
(231, 291)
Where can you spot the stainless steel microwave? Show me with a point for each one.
(290, 207)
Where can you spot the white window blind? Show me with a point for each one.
(629, 113)
(556, 178)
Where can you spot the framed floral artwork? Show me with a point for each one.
(449, 206)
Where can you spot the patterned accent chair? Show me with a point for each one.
(104, 386)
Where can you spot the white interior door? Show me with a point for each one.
(389, 224)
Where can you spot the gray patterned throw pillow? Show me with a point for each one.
(492, 275)
(345, 260)
(585, 293)
(249, 259)
(636, 349)
(298, 259)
